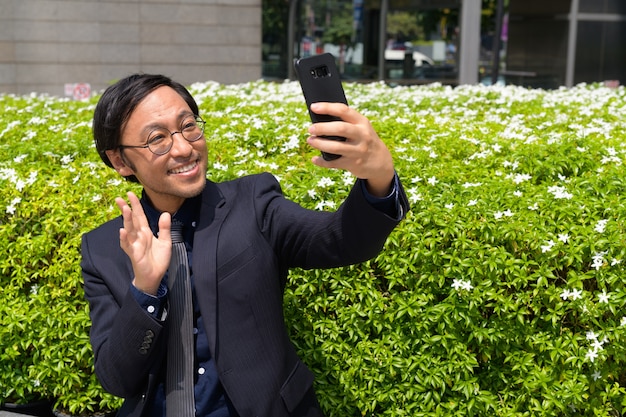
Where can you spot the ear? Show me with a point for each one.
(115, 156)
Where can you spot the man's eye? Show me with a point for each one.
(189, 125)
(156, 138)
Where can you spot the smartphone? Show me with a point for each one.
(320, 81)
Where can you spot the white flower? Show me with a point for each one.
(549, 245)
(292, 143)
(65, 160)
(520, 178)
(596, 375)
(13, 205)
(414, 194)
(623, 321)
(312, 194)
(598, 345)
(565, 294)
(32, 178)
(512, 165)
(560, 192)
(603, 297)
(591, 335)
(563, 237)
(348, 179)
(325, 182)
(576, 294)
(432, 180)
(220, 167)
(600, 226)
(615, 262)
(591, 355)
(472, 203)
(534, 207)
(597, 261)
(461, 284)
(449, 206)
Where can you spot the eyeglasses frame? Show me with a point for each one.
(198, 120)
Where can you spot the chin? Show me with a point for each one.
(195, 189)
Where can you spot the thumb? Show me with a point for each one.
(165, 227)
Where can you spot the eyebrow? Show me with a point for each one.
(153, 126)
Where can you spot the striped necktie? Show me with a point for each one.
(179, 388)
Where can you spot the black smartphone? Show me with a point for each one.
(320, 81)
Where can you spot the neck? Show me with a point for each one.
(169, 204)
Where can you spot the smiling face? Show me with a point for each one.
(167, 179)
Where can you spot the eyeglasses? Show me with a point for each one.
(160, 140)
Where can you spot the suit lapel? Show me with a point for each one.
(213, 211)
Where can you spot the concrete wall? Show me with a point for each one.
(46, 44)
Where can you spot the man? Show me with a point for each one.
(241, 238)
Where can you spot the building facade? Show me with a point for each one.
(46, 45)
(566, 42)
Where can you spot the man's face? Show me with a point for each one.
(167, 179)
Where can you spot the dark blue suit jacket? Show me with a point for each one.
(247, 237)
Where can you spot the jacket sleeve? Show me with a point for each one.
(126, 339)
(310, 239)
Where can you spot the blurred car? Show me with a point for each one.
(397, 55)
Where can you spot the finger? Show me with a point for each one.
(124, 239)
(329, 146)
(340, 110)
(121, 203)
(165, 227)
(136, 206)
(341, 129)
(127, 214)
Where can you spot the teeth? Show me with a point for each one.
(183, 169)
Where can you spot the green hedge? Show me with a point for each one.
(501, 293)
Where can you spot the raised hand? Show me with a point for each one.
(149, 255)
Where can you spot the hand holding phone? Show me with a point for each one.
(320, 82)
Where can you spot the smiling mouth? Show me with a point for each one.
(183, 169)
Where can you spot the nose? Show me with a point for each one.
(180, 145)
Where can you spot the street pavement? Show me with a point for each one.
(4, 413)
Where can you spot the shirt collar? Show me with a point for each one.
(187, 214)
